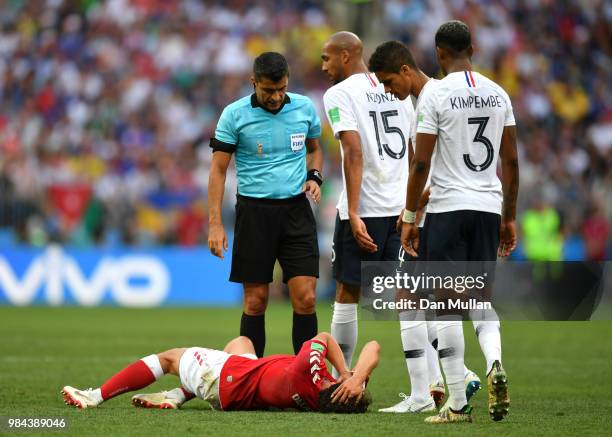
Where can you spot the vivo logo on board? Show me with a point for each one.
(130, 280)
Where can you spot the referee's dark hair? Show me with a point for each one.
(454, 36)
(271, 65)
(390, 56)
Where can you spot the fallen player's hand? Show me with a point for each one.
(344, 376)
(350, 390)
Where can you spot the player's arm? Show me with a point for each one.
(417, 178)
(353, 173)
(510, 183)
(334, 354)
(398, 223)
(423, 201)
(217, 240)
(314, 164)
(410, 153)
(352, 389)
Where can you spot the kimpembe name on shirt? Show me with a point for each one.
(477, 102)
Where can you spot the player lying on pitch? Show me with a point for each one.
(235, 379)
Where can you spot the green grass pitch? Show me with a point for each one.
(560, 374)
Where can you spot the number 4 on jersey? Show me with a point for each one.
(480, 138)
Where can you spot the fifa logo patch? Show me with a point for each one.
(297, 142)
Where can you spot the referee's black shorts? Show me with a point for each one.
(271, 229)
(463, 235)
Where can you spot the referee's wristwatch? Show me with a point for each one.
(409, 216)
(315, 175)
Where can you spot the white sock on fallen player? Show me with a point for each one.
(414, 342)
(344, 330)
(96, 395)
(451, 348)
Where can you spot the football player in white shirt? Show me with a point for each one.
(373, 129)
(471, 214)
(416, 337)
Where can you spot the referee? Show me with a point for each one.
(274, 135)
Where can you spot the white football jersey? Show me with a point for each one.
(468, 113)
(359, 103)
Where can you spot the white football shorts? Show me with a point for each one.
(200, 368)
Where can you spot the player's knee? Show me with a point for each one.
(169, 359)
(255, 305)
(347, 293)
(305, 303)
(246, 342)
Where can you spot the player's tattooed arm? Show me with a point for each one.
(419, 169)
(510, 172)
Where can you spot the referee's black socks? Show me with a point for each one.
(254, 327)
(304, 328)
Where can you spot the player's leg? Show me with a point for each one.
(253, 321)
(446, 241)
(437, 389)
(240, 346)
(346, 265)
(137, 375)
(176, 397)
(485, 242)
(298, 255)
(302, 292)
(253, 256)
(413, 333)
(344, 326)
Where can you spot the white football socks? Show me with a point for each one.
(97, 395)
(152, 362)
(451, 348)
(344, 330)
(489, 338)
(433, 364)
(414, 342)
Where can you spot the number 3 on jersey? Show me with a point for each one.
(480, 138)
(384, 115)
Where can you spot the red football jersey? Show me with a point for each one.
(280, 381)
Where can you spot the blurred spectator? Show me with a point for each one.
(107, 107)
(541, 232)
(596, 231)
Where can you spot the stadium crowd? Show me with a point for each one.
(107, 107)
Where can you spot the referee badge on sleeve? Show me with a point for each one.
(297, 142)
